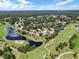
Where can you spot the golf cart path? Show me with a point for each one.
(64, 54)
(49, 43)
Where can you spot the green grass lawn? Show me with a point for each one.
(35, 38)
(35, 54)
(69, 56)
(76, 42)
(38, 53)
(62, 37)
(3, 33)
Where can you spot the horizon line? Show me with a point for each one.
(39, 10)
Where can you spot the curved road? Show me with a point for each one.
(63, 54)
(47, 44)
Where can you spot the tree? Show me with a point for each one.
(75, 55)
(22, 49)
(72, 38)
(41, 34)
(57, 49)
(71, 45)
(52, 56)
(13, 20)
(7, 49)
(8, 55)
(32, 47)
(56, 32)
(61, 46)
(65, 43)
(1, 52)
(26, 48)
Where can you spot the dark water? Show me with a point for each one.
(31, 43)
(13, 36)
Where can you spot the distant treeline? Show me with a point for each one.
(39, 12)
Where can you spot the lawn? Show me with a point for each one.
(38, 53)
(76, 42)
(69, 56)
(3, 33)
(62, 37)
(35, 54)
(36, 38)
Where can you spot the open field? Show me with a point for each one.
(66, 34)
(38, 53)
(76, 42)
(62, 37)
(69, 56)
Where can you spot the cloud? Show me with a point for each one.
(5, 4)
(9, 5)
(58, 5)
(28, 5)
(74, 6)
(24, 1)
(63, 2)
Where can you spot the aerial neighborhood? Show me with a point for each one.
(47, 36)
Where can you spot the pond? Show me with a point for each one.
(31, 43)
(13, 36)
